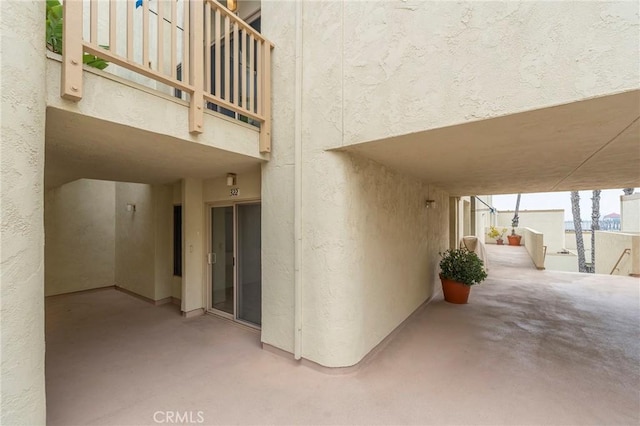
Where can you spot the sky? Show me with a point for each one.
(609, 202)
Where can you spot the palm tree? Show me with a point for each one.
(516, 219)
(577, 226)
(595, 226)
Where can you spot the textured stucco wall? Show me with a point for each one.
(414, 65)
(570, 240)
(247, 184)
(353, 210)
(79, 236)
(370, 256)
(277, 183)
(193, 256)
(483, 216)
(135, 242)
(22, 345)
(548, 222)
(609, 248)
(132, 106)
(630, 213)
(534, 243)
(163, 240)
(561, 262)
(391, 257)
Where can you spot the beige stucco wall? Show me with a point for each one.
(193, 253)
(163, 240)
(534, 243)
(391, 253)
(361, 226)
(609, 248)
(143, 257)
(22, 346)
(548, 222)
(79, 236)
(570, 244)
(93, 241)
(135, 243)
(483, 216)
(131, 105)
(247, 184)
(397, 56)
(278, 183)
(561, 262)
(630, 213)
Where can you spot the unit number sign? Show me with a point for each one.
(234, 192)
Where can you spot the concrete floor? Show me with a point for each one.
(532, 347)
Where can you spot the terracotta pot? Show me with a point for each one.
(514, 240)
(500, 242)
(455, 292)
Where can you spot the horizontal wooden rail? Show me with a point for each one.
(215, 58)
(132, 66)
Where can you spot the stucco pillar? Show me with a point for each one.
(193, 249)
(22, 229)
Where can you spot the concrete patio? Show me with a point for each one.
(532, 347)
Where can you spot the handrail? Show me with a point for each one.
(625, 251)
(237, 77)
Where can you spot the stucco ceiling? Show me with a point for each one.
(592, 144)
(79, 146)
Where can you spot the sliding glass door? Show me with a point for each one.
(221, 259)
(249, 279)
(235, 262)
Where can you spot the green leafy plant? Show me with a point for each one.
(54, 22)
(463, 266)
(495, 233)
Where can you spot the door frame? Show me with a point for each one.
(209, 246)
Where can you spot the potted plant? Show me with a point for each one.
(497, 234)
(459, 270)
(514, 239)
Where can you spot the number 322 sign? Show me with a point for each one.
(234, 192)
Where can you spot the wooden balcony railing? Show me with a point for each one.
(219, 61)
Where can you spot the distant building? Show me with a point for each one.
(610, 222)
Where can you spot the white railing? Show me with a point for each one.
(198, 47)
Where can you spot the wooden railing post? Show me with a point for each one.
(265, 128)
(71, 76)
(196, 68)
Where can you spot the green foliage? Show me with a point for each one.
(54, 26)
(463, 266)
(54, 35)
(495, 233)
(94, 61)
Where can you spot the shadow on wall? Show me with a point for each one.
(395, 241)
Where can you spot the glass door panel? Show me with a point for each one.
(249, 270)
(221, 259)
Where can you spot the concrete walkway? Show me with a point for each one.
(532, 347)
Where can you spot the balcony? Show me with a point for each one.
(196, 50)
